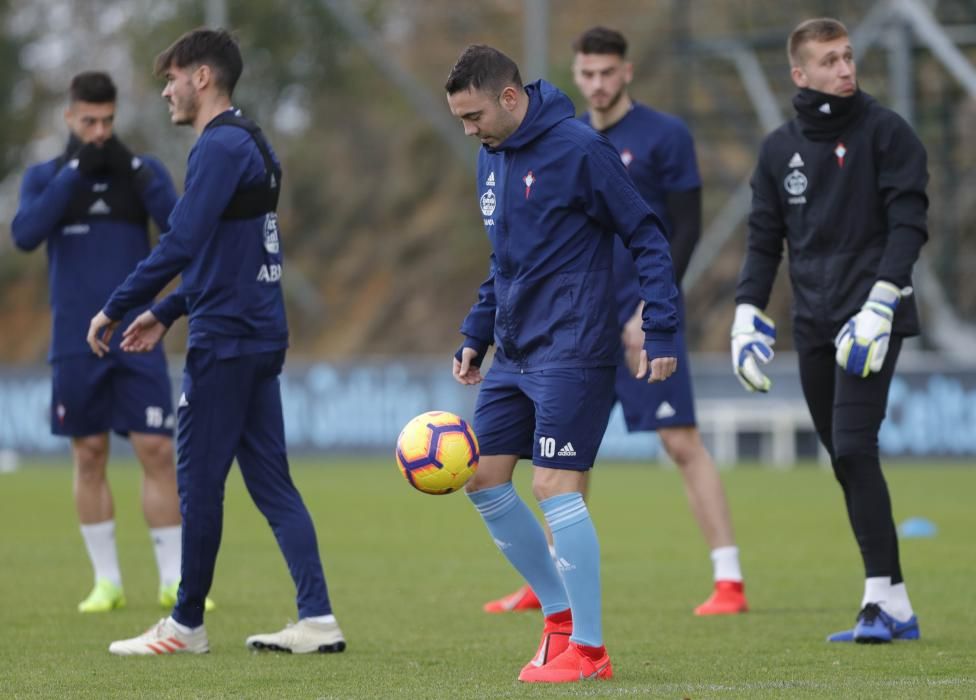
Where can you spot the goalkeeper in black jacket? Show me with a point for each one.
(843, 183)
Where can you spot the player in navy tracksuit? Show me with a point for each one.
(551, 192)
(223, 239)
(91, 206)
(659, 154)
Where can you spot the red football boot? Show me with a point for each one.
(555, 639)
(577, 663)
(728, 598)
(522, 599)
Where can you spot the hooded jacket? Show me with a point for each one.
(843, 184)
(552, 196)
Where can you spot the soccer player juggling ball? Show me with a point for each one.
(551, 193)
(659, 154)
(223, 238)
(843, 183)
(91, 206)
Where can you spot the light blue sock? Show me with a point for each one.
(520, 538)
(578, 559)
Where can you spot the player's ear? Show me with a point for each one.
(799, 77)
(628, 72)
(509, 97)
(202, 76)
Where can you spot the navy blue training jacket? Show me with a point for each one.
(552, 196)
(231, 268)
(88, 258)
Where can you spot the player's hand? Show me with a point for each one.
(660, 367)
(143, 334)
(120, 158)
(862, 343)
(89, 160)
(100, 333)
(753, 335)
(465, 369)
(632, 339)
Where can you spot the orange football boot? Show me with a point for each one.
(522, 599)
(555, 639)
(577, 663)
(728, 598)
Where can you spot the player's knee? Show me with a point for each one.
(683, 445)
(90, 456)
(849, 443)
(155, 452)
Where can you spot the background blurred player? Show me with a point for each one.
(91, 206)
(658, 152)
(844, 184)
(551, 194)
(224, 240)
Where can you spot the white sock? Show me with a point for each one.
(898, 605)
(100, 541)
(877, 590)
(725, 564)
(321, 619)
(183, 628)
(167, 544)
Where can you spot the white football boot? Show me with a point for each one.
(303, 637)
(163, 638)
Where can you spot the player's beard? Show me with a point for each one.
(185, 109)
(611, 103)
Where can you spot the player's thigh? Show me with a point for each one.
(262, 454)
(860, 404)
(504, 416)
(818, 369)
(666, 404)
(211, 413)
(142, 394)
(572, 409)
(81, 395)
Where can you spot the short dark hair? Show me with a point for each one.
(92, 86)
(216, 48)
(482, 67)
(600, 40)
(819, 29)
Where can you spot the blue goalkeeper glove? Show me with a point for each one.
(863, 341)
(753, 335)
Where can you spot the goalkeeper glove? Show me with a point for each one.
(753, 334)
(863, 341)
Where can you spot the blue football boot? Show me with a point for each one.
(875, 626)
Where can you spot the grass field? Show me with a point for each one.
(408, 574)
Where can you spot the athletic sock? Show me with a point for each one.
(898, 605)
(578, 553)
(321, 619)
(876, 590)
(725, 564)
(167, 545)
(100, 541)
(519, 536)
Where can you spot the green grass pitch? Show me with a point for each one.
(408, 573)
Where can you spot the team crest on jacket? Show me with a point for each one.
(528, 180)
(488, 203)
(271, 242)
(626, 157)
(795, 183)
(840, 152)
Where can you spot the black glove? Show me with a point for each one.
(120, 159)
(92, 160)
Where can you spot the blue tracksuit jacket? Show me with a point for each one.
(231, 268)
(552, 196)
(89, 258)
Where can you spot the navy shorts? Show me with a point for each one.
(121, 392)
(667, 404)
(557, 416)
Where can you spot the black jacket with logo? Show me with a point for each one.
(844, 184)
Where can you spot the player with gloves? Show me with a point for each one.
(843, 183)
